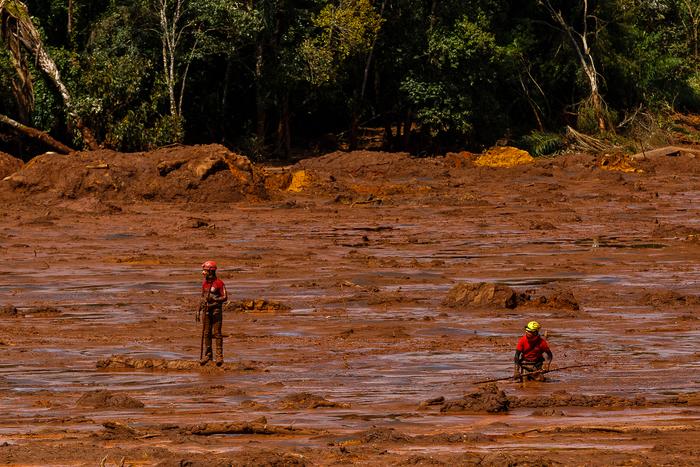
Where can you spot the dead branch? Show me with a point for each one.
(36, 134)
(586, 143)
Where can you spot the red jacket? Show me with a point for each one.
(532, 349)
(215, 289)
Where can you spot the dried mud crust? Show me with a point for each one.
(356, 324)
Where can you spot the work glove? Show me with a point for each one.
(196, 316)
(546, 366)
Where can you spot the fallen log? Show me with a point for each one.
(36, 134)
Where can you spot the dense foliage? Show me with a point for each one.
(272, 76)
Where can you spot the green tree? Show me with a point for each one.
(346, 32)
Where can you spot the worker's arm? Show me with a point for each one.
(548, 359)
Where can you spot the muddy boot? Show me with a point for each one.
(219, 343)
(205, 360)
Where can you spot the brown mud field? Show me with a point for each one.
(368, 292)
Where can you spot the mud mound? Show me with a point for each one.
(554, 298)
(209, 173)
(675, 231)
(364, 177)
(358, 163)
(103, 399)
(566, 399)
(383, 435)
(118, 361)
(491, 295)
(488, 398)
(520, 459)
(668, 159)
(259, 304)
(305, 400)
(669, 298)
(504, 156)
(482, 294)
(9, 165)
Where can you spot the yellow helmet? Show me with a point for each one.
(533, 326)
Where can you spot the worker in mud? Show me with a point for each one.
(532, 354)
(211, 307)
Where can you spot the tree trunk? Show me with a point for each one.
(70, 22)
(49, 67)
(36, 134)
(693, 10)
(284, 137)
(585, 59)
(260, 113)
(29, 37)
(224, 92)
(22, 87)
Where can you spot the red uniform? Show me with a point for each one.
(532, 349)
(214, 294)
(215, 288)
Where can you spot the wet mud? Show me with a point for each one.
(369, 293)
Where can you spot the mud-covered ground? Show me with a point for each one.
(369, 292)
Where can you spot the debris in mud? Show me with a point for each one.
(118, 430)
(481, 294)
(666, 151)
(548, 412)
(434, 401)
(253, 405)
(196, 223)
(42, 310)
(119, 361)
(305, 400)
(542, 225)
(460, 159)
(104, 399)
(488, 398)
(258, 304)
(691, 399)
(451, 438)
(618, 162)
(8, 310)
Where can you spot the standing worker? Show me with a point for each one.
(530, 353)
(213, 297)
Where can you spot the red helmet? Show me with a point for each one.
(209, 266)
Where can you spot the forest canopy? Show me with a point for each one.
(269, 77)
